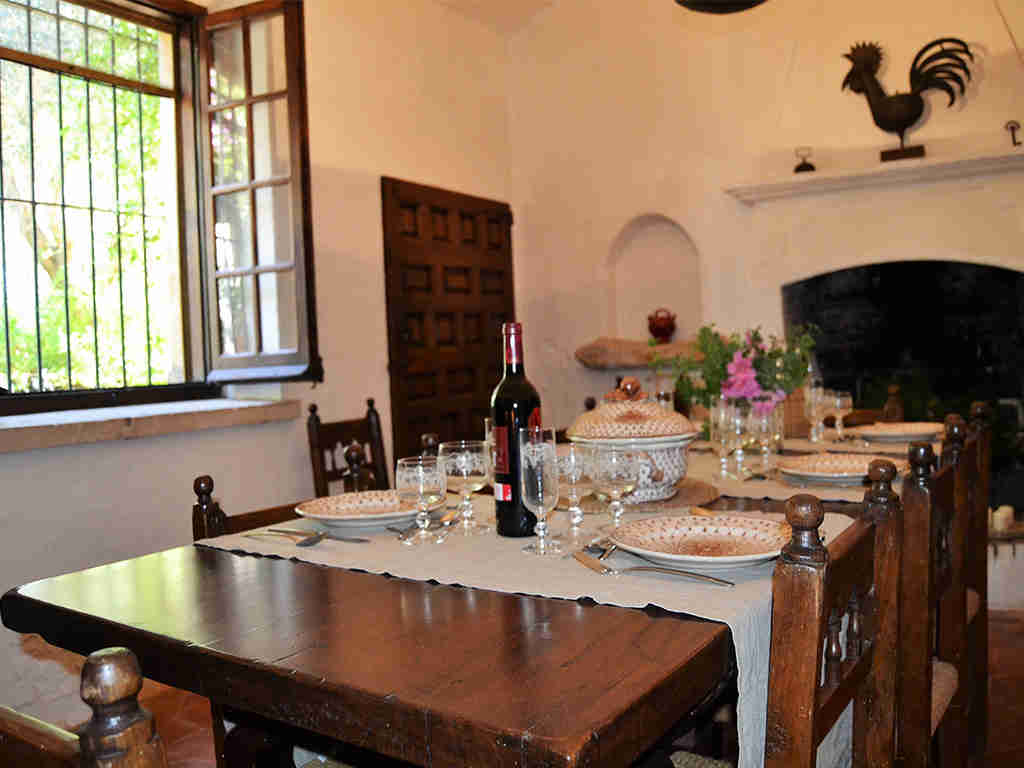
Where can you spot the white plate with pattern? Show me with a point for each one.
(363, 510)
(703, 543)
(831, 468)
(898, 431)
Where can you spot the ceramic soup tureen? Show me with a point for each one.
(627, 418)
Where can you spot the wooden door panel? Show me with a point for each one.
(448, 263)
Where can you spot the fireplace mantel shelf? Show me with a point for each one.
(901, 172)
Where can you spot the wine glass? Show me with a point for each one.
(843, 406)
(616, 473)
(538, 477)
(722, 438)
(813, 397)
(466, 467)
(828, 407)
(574, 473)
(420, 480)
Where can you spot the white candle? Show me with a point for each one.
(1002, 518)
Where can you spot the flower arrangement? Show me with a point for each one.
(747, 369)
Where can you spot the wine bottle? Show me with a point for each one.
(515, 405)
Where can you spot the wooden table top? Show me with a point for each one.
(433, 674)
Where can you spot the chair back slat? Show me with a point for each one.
(933, 598)
(817, 592)
(351, 451)
(120, 733)
(976, 574)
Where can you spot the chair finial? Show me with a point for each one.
(805, 514)
(203, 487)
(120, 732)
(880, 499)
(922, 460)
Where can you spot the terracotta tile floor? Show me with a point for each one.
(184, 719)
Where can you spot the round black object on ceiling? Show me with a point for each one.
(719, 6)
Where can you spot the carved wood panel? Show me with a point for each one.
(448, 265)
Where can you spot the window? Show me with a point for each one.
(151, 249)
(255, 117)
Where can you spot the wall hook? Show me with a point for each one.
(1013, 126)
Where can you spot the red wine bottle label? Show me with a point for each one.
(501, 466)
(502, 492)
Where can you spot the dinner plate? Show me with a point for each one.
(830, 468)
(898, 431)
(703, 543)
(359, 511)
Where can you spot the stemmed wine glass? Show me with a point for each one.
(616, 473)
(721, 433)
(466, 466)
(843, 405)
(574, 473)
(420, 480)
(812, 408)
(538, 477)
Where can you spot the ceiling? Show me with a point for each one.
(506, 16)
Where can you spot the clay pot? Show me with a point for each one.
(662, 324)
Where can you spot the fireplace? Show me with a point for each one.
(947, 332)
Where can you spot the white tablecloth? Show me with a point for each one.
(496, 563)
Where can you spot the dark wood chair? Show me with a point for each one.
(120, 733)
(334, 450)
(813, 677)
(931, 721)
(209, 520)
(971, 444)
(254, 742)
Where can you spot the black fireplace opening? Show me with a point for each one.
(946, 332)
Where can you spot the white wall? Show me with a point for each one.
(625, 109)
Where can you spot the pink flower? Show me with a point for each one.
(742, 381)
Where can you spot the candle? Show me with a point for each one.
(1002, 518)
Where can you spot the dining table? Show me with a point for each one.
(435, 671)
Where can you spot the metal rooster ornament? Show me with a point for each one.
(941, 65)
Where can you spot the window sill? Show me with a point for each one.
(48, 430)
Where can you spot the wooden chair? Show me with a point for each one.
(931, 720)
(813, 589)
(254, 743)
(120, 733)
(972, 445)
(335, 448)
(209, 520)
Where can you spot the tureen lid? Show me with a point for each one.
(627, 412)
